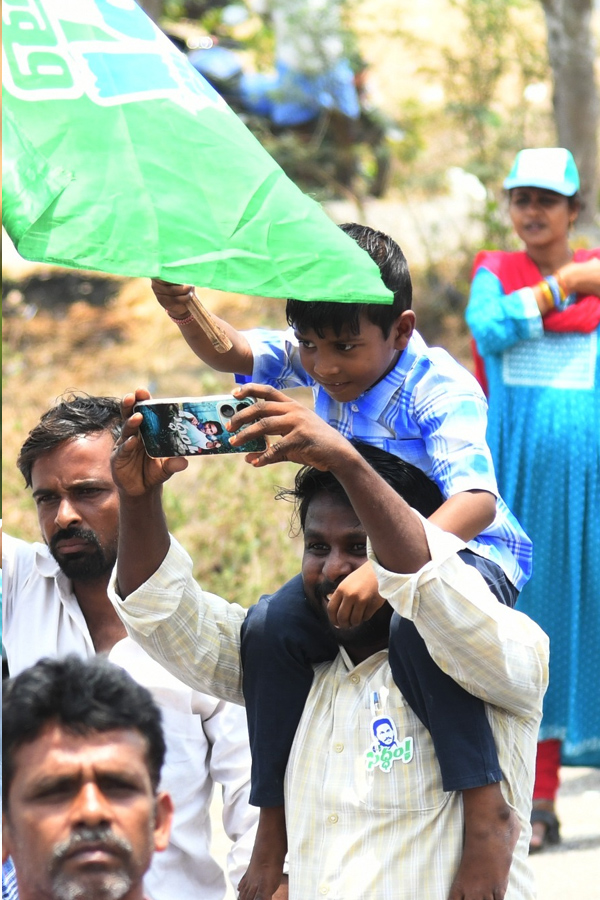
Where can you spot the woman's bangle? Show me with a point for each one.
(568, 299)
(561, 283)
(547, 295)
(554, 293)
(558, 295)
(185, 321)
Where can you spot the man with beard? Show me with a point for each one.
(362, 823)
(56, 602)
(83, 750)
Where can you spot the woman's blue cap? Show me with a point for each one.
(552, 168)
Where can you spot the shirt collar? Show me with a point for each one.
(45, 563)
(375, 658)
(47, 567)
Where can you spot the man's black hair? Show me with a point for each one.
(75, 415)
(319, 315)
(411, 483)
(83, 697)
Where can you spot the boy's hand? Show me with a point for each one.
(134, 472)
(355, 599)
(305, 438)
(173, 297)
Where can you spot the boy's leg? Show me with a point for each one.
(461, 734)
(281, 640)
(263, 875)
(464, 746)
(503, 590)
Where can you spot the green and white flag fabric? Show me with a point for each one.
(119, 157)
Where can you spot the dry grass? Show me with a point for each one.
(221, 509)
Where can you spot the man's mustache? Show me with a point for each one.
(66, 534)
(100, 835)
(323, 591)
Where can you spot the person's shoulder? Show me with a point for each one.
(503, 263)
(437, 357)
(269, 335)
(17, 552)
(437, 365)
(496, 261)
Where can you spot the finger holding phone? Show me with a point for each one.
(304, 437)
(134, 472)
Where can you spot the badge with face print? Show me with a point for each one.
(385, 749)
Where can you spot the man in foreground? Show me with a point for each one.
(360, 824)
(83, 750)
(55, 602)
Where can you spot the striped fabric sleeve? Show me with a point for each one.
(498, 320)
(194, 634)
(276, 359)
(493, 651)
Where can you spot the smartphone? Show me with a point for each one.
(192, 426)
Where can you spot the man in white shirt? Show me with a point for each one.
(362, 821)
(83, 813)
(55, 602)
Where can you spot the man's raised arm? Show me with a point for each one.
(143, 534)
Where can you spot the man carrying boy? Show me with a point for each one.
(362, 825)
(373, 378)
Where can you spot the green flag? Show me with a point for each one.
(119, 157)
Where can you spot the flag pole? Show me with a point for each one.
(216, 335)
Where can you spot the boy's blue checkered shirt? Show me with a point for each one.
(429, 411)
(10, 890)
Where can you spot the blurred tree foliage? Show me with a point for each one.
(496, 51)
(572, 54)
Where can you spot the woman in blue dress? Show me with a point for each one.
(535, 319)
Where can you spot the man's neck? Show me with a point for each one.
(359, 654)
(101, 618)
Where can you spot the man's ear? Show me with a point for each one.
(163, 818)
(403, 328)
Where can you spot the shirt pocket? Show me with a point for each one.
(406, 785)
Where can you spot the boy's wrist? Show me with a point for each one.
(181, 318)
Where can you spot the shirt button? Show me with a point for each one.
(323, 889)
(355, 679)
(354, 407)
(338, 748)
(332, 819)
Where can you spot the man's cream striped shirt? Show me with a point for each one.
(362, 827)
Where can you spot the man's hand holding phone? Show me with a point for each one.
(304, 437)
(134, 472)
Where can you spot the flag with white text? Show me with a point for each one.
(119, 157)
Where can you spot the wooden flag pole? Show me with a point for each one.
(215, 333)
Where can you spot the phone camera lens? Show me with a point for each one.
(227, 411)
(241, 406)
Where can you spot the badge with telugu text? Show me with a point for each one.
(386, 749)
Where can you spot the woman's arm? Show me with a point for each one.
(580, 277)
(497, 320)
